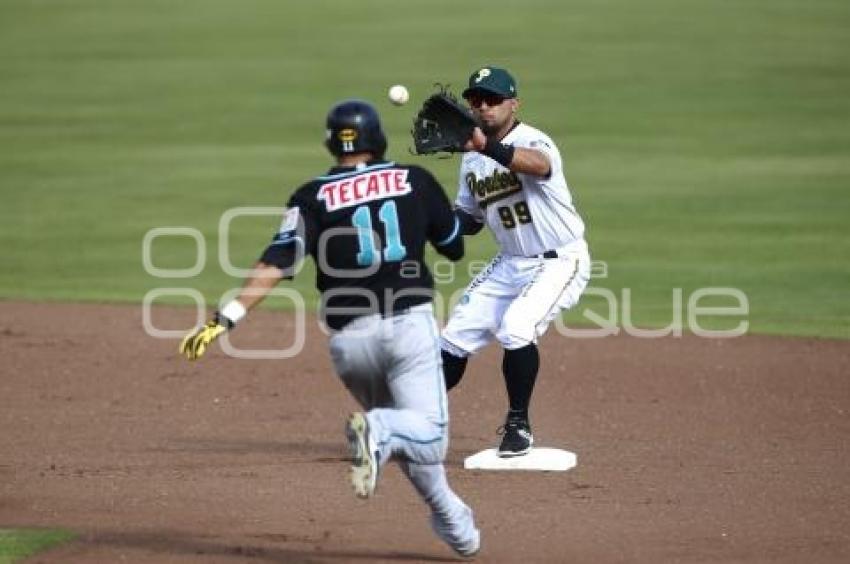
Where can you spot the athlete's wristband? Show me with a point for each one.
(231, 313)
(499, 152)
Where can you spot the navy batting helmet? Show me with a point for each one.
(353, 126)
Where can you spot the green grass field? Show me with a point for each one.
(707, 142)
(16, 544)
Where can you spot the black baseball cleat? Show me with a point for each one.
(516, 438)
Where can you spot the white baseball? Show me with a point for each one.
(398, 95)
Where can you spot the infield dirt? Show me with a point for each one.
(689, 449)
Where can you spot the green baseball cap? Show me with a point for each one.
(492, 79)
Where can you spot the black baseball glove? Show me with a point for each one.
(443, 124)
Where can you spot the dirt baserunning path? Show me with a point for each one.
(689, 449)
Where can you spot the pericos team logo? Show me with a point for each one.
(495, 187)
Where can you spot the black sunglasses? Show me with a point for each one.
(475, 100)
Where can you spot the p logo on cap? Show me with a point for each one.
(492, 80)
(483, 73)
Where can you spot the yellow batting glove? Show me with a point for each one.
(195, 344)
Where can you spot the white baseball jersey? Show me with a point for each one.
(516, 297)
(528, 215)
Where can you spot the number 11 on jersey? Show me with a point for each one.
(362, 220)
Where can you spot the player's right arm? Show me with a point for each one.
(278, 261)
(524, 160)
(257, 286)
(294, 238)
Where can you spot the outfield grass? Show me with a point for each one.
(16, 544)
(707, 142)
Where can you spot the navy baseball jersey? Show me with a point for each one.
(366, 227)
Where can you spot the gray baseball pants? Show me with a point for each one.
(393, 368)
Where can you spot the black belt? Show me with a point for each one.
(339, 325)
(547, 254)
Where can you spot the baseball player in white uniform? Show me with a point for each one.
(512, 181)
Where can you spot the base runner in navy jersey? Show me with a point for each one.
(366, 223)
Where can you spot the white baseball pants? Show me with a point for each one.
(514, 299)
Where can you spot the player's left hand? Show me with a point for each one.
(443, 124)
(477, 141)
(195, 344)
